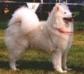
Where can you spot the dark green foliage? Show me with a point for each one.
(3, 24)
(79, 26)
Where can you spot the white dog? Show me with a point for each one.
(54, 35)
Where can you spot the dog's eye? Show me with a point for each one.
(60, 4)
(64, 12)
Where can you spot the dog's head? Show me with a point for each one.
(63, 11)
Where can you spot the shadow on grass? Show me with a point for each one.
(41, 65)
(4, 64)
(24, 64)
(77, 68)
(37, 65)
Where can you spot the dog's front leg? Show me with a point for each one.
(64, 60)
(57, 61)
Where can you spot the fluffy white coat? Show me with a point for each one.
(54, 35)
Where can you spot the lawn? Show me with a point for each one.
(36, 62)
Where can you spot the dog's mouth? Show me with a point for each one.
(68, 19)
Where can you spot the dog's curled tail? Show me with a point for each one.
(16, 16)
(23, 14)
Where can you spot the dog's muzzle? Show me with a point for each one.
(68, 19)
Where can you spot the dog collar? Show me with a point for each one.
(64, 32)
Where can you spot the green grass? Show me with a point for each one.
(36, 62)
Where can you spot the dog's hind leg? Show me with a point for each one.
(57, 61)
(15, 55)
(15, 47)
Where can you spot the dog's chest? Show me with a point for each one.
(61, 40)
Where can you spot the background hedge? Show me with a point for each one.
(42, 12)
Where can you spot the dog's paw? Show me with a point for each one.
(16, 69)
(68, 69)
(61, 71)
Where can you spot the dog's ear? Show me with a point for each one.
(57, 7)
